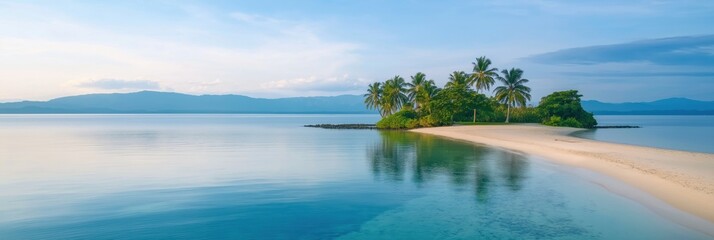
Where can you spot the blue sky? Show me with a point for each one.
(609, 50)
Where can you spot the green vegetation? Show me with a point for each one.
(513, 92)
(403, 119)
(480, 123)
(564, 109)
(456, 103)
(373, 98)
(420, 103)
(483, 76)
(393, 95)
(421, 91)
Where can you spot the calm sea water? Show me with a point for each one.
(688, 133)
(266, 177)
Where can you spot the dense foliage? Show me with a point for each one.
(456, 103)
(564, 109)
(404, 119)
(420, 103)
(517, 115)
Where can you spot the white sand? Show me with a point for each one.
(682, 179)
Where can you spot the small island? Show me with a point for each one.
(678, 178)
(463, 100)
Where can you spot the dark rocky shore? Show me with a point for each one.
(343, 126)
(622, 126)
(372, 126)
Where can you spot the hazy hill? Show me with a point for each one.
(165, 102)
(669, 106)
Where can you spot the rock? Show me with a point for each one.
(622, 126)
(343, 126)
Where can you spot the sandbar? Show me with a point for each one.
(684, 180)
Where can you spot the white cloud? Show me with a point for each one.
(214, 82)
(119, 84)
(254, 18)
(240, 60)
(559, 7)
(343, 83)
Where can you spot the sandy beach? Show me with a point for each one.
(681, 179)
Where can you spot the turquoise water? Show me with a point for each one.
(266, 177)
(688, 133)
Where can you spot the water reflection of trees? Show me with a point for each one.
(403, 155)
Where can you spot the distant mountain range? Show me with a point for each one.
(167, 102)
(669, 106)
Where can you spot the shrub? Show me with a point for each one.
(553, 121)
(565, 105)
(412, 123)
(571, 122)
(559, 122)
(428, 121)
(456, 104)
(524, 115)
(403, 119)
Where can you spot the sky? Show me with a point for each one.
(613, 51)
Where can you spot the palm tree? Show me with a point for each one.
(458, 79)
(429, 91)
(513, 92)
(373, 98)
(393, 95)
(416, 88)
(482, 76)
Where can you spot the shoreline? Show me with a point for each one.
(680, 179)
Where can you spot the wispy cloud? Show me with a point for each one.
(342, 83)
(243, 57)
(688, 50)
(120, 84)
(640, 74)
(647, 69)
(306, 48)
(254, 18)
(603, 7)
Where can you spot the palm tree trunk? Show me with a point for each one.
(508, 113)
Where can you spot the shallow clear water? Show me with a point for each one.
(266, 177)
(688, 133)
